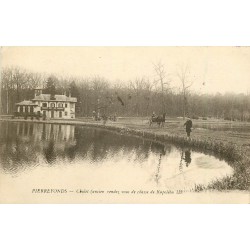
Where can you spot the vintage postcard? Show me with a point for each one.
(124, 124)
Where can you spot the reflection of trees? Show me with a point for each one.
(99, 144)
(49, 152)
(25, 144)
(43, 132)
(22, 144)
(161, 150)
(157, 147)
(14, 152)
(157, 175)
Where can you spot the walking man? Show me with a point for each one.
(188, 125)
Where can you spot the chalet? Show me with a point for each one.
(48, 105)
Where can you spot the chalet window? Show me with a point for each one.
(60, 105)
(66, 113)
(52, 105)
(66, 105)
(44, 105)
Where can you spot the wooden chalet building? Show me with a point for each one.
(47, 105)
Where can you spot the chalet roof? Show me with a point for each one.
(25, 103)
(60, 98)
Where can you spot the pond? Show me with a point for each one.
(96, 158)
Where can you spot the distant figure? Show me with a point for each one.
(105, 118)
(94, 115)
(153, 115)
(188, 125)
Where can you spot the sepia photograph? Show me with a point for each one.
(125, 124)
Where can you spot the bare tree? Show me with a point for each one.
(136, 86)
(163, 79)
(141, 89)
(85, 98)
(5, 87)
(99, 85)
(148, 87)
(183, 73)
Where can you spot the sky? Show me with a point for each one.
(214, 69)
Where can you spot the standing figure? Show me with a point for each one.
(105, 118)
(188, 125)
(94, 115)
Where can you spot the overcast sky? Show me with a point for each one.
(215, 69)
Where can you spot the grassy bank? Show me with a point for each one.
(231, 146)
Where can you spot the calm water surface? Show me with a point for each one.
(96, 158)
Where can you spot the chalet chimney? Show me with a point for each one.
(38, 91)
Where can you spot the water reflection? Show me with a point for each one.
(49, 152)
(114, 157)
(26, 143)
(22, 144)
(160, 150)
(186, 157)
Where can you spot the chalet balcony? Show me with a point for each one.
(54, 108)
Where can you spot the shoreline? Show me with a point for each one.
(232, 151)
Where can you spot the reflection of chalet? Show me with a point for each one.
(50, 106)
(61, 134)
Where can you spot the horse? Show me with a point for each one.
(160, 120)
